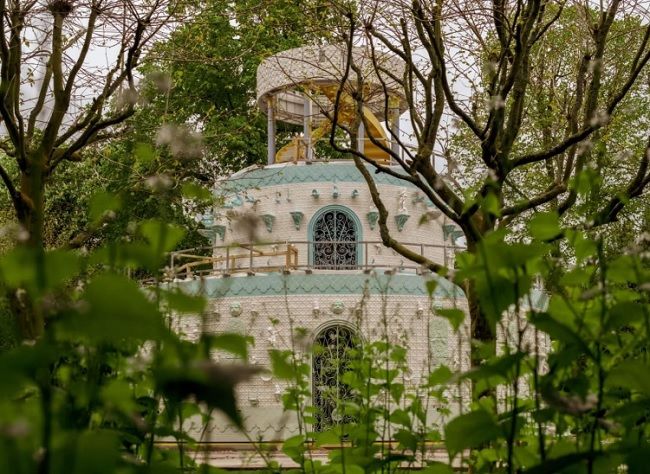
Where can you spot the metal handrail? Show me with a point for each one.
(285, 256)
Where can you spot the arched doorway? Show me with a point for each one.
(335, 235)
(332, 355)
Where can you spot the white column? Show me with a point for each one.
(270, 130)
(361, 138)
(309, 150)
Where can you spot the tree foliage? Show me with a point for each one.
(500, 84)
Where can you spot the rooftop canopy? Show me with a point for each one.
(302, 86)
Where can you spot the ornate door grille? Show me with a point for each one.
(335, 241)
(331, 359)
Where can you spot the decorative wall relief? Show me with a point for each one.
(235, 309)
(212, 230)
(400, 220)
(338, 307)
(269, 220)
(373, 217)
(355, 193)
(315, 194)
(220, 231)
(316, 309)
(451, 232)
(297, 217)
(401, 200)
(335, 191)
(234, 201)
(207, 219)
(417, 197)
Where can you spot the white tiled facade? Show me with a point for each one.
(389, 299)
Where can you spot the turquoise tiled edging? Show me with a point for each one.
(330, 172)
(270, 284)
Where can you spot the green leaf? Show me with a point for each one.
(496, 294)
(102, 203)
(501, 367)
(431, 286)
(584, 247)
(294, 447)
(97, 453)
(118, 393)
(207, 382)
(196, 192)
(624, 313)
(440, 376)
(236, 344)
(470, 431)
(396, 391)
(115, 309)
(455, 316)
(144, 152)
(407, 440)
(162, 236)
(400, 417)
(181, 302)
(491, 204)
(559, 331)
(631, 374)
(281, 364)
(544, 226)
(20, 268)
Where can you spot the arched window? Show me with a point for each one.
(333, 348)
(335, 237)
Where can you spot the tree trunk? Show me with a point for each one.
(483, 343)
(25, 305)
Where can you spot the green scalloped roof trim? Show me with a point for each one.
(271, 284)
(329, 172)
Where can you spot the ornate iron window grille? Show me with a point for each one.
(335, 241)
(333, 349)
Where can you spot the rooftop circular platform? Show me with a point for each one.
(286, 76)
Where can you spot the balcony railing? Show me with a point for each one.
(299, 255)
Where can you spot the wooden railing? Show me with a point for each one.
(297, 255)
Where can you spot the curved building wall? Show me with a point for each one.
(267, 306)
(255, 290)
(287, 196)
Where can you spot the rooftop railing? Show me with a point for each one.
(305, 255)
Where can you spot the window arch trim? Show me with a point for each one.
(348, 212)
